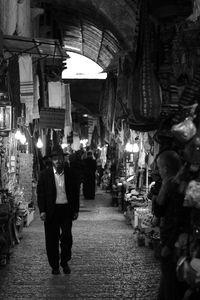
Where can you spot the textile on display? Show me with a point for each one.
(145, 102)
(55, 94)
(26, 84)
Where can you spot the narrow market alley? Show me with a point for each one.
(106, 263)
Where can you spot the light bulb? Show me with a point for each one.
(39, 143)
(128, 147)
(18, 134)
(84, 142)
(23, 139)
(135, 148)
(64, 145)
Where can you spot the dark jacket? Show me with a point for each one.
(46, 191)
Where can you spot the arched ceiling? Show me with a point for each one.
(97, 29)
(102, 30)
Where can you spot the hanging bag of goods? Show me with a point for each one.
(192, 148)
(145, 103)
(184, 130)
(192, 194)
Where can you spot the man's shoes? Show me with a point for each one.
(66, 269)
(55, 271)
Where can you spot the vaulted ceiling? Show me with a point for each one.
(98, 29)
(102, 30)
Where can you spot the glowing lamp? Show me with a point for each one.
(128, 147)
(135, 148)
(39, 143)
(84, 142)
(23, 139)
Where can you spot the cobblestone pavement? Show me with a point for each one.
(106, 263)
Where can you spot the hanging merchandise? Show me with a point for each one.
(191, 91)
(192, 149)
(184, 130)
(55, 94)
(196, 11)
(192, 194)
(124, 72)
(107, 106)
(142, 153)
(36, 94)
(95, 138)
(25, 176)
(146, 94)
(67, 106)
(26, 85)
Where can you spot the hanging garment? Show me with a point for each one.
(14, 86)
(107, 106)
(55, 94)
(8, 16)
(145, 102)
(121, 105)
(95, 138)
(26, 84)
(26, 78)
(36, 97)
(68, 108)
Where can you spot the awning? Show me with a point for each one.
(38, 47)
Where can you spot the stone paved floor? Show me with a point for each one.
(106, 263)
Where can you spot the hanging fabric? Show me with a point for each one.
(121, 105)
(26, 85)
(36, 97)
(108, 102)
(67, 106)
(14, 87)
(55, 94)
(95, 138)
(146, 94)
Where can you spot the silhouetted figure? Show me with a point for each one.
(174, 219)
(89, 176)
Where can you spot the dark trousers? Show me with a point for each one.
(170, 288)
(58, 232)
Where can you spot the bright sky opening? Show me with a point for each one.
(81, 67)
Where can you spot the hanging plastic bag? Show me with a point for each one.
(184, 131)
(192, 194)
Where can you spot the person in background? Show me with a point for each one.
(99, 170)
(76, 163)
(46, 162)
(174, 219)
(66, 158)
(58, 202)
(89, 176)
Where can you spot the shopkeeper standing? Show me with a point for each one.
(58, 202)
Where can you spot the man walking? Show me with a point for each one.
(58, 202)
